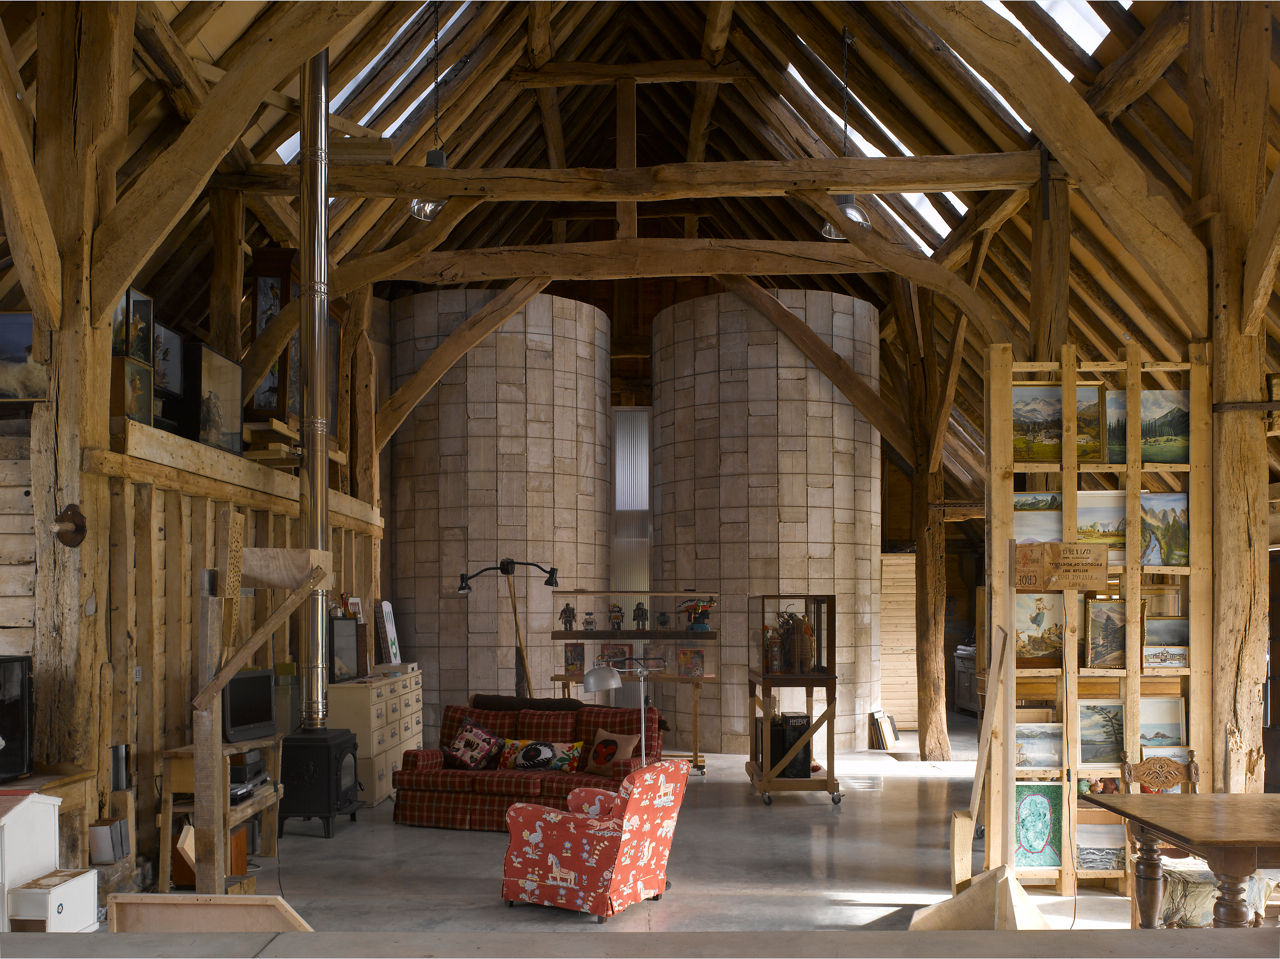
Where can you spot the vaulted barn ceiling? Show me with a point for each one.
(532, 85)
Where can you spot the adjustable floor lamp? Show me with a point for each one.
(607, 674)
(507, 568)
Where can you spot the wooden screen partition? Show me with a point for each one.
(1148, 573)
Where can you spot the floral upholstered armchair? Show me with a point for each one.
(609, 851)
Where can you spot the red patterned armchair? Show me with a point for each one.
(609, 851)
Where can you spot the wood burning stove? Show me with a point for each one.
(318, 770)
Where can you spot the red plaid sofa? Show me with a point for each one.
(428, 793)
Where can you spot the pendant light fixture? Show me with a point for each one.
(426, 210)
(847, 202)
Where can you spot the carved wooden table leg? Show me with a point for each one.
(1149, 881)
(1232, 868)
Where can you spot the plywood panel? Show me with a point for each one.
(898, 638)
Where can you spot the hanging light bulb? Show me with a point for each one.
(848, 203)
(426, 210)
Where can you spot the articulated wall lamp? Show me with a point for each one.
(507, 568)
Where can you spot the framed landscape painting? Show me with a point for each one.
(1104, 622)
(1101, 732)
(1100, 845)
(1166, 657)
(1166, 529)
(1037, 824)
(1166, 631)
(1162, 721)
(1037, 423)
(1038, 623)
(1089, 419)
(1037, 517)
(1100, 519)
(1166, 426)
(1117, 423)
(1038, 745)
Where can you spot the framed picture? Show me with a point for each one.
(138, 331)
(1162, 721)
(21, 378)
(1101, 732)
(1180, 754)
(887, 728)
(1037, 517)
(167, 348)
(1038, 620)
(219, 409)
(575, 659)
(1037, 745)
(1162, 600)
(385, 626)
(1117, 419)
(1166, 630)
(1166, 529)
(356, 608)
(1100, 845)
(1037, 423)
(1166, 426)
(1089, 435)
(1104, 622)
(690, 662)
(1037, 824)
(1100, 518)
(612, 651)
(1178, 657)
(131, 389)
(270, 290)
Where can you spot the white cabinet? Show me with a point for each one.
(65, 900)
(28, 843)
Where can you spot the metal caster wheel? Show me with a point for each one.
(600, 920)
(702, 771)
(766, 799)
(835, 799)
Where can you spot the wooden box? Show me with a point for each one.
(65, 900)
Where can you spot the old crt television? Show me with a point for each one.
(17, 716)
(249, 706)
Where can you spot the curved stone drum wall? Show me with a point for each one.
(507, 457)
(766, 480)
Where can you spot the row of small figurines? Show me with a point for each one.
(697, 611)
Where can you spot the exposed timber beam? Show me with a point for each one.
(864, 397)
(622, 259)
(455, 346)
(715, 36)
(132, 231)
(1141, 214)
(671, 181)
(607, 74)
(987, 217)
(1133, 73)
(897, 258)
(955, 358)
(27, 225)
(348, 276)
(1262, 257)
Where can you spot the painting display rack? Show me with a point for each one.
(1106, 666)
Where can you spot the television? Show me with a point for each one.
(344, 649)
(249, 706)
(17, 716)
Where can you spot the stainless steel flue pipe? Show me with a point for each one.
(313, 474)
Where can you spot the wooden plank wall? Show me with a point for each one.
(898, 638)
(17, 548)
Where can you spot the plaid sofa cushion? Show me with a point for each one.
(513, 783)
(546, 726)
(439, 780)
(591, 719)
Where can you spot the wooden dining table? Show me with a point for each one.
(1235, 833)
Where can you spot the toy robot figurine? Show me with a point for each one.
(589, 621)
(640, 616)
(568, 617)
(615, 617)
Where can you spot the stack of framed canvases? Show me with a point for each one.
(1114, 454)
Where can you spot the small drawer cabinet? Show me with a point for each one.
(385, 713)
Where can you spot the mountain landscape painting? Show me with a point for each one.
(1104, 633)
(1089, 400)
(1166, 426)
(1038, 745)
(1117, 414)
(1037, 424)
(1100, 518)
(1037, 517)
(1166, 529)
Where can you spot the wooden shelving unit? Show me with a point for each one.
(1064, 687)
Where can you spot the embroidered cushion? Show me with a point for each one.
(539, 754)
(474, 746)
(606, 748)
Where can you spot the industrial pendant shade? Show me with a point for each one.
(848, 203)
(426, 210)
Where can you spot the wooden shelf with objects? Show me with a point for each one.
(692, 655)
(1097, 674)
(791, 645)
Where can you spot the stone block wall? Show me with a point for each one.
(766, 480)
(508, 456)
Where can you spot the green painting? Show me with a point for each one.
(1037, 825)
